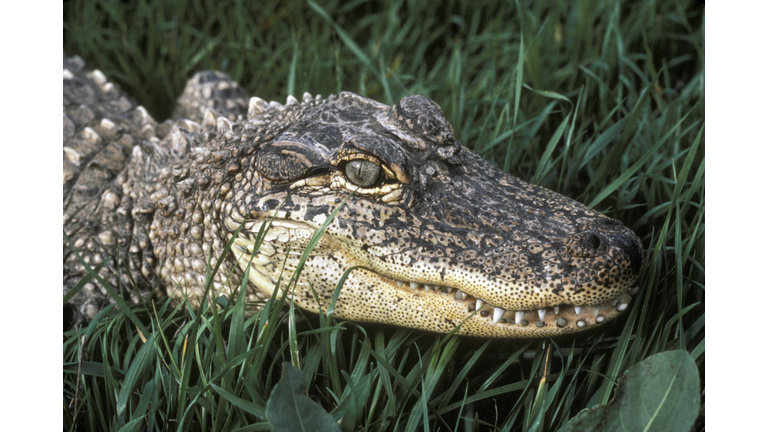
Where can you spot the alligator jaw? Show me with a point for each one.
(368, 296)
(439, 310)
(485, 319)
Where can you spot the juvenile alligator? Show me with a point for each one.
(449, 238)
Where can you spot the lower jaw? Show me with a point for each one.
(485, 318)
(371, 297)
(442, 309)
(565, 318)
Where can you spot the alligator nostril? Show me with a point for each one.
(587, 245)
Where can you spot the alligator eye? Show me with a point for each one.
(362, 172)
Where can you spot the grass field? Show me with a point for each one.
(602, 101)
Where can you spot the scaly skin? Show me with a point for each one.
(448, 238)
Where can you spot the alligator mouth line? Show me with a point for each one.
(440, 306)
(559, 315)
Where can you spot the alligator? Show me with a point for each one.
(433, 236)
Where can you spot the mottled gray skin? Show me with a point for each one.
(425, 211)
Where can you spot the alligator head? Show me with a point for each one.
(443, 238)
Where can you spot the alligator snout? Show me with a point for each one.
(632, 248)
(607, 235)
(619, 237)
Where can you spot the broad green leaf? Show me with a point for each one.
(289, 408)
(658, 394)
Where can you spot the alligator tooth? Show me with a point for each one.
(556, 309)
(460, 295)
(599, 318)
(399, 283)
(291, 100)
(581, 323)
(542, 312)
(561, 322)
(633, 291)
(519, 316)
(497, 314)
(614, 301)
(597, 311)
(621, 306)
(306, 97)
(414, 285)
(577, 310)
(478, 304)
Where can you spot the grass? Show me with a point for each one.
(602, 101)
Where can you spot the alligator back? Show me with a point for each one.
(106, 202)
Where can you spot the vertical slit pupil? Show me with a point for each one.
(363, 173)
